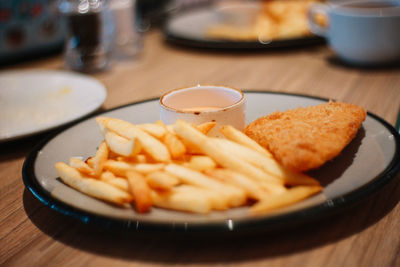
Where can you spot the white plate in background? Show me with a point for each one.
(37, 100)
(188, 28)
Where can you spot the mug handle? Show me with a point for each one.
(314, 26)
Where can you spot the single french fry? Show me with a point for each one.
(170, 128)
(222, 157)
(141, 158)
(100, 158)
(140, 190)
(113, 180)
(214, 197)
(106, 175)
(200, 163)
(120, 168)
(91, 187)
(267, 164)
(81, 166)
(145, 168)
(206, 127)
(182, 201)
(271, 188)
(239, 137)
(235, 196)
(161, 180)
(157, 150)
(174, 145)
(190, 147)
(90, 162)
(292, 195)
(160, 123)
(121, 145)
(251, 187)
(155, 130)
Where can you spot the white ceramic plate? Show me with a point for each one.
(34, 101)
(370, 160)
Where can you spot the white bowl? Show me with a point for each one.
(199, 104)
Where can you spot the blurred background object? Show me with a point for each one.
(89, 35)
(362, 33)
(154, 12)
(127, 40)
(29, 28)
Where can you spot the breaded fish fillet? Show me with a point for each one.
(305, 138)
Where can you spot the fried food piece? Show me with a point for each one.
(305, 138)
(275, 19)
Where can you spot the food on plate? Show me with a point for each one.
(274, 19)
(179, 167)
(302, 139)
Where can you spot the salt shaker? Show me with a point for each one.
(89, 38)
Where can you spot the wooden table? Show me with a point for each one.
(31, 234)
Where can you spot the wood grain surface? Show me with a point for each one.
(367, 234)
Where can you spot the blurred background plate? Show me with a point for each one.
(34, 101)
(188, 27)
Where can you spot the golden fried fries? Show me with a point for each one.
(200, 163)
(100, 159)
(182, 201)
(90, 186)
(140, 191)
(216, 152)
(174, 145)
(120, 168)
(179, 167)
(239, 137)
(113, 180)
(267, 164)
(161, 180)
(150, 144)
(155, 130)
(206, 127)
(81, 166)
(291, 196)
(120, 145)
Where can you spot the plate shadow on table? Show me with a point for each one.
(210, 248)
(241, 48)
(19, 148)
(337, 62)
(30, 56)
(168, 248)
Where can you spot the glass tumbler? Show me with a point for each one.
(90, 34)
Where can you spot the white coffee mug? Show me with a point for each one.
(360, 32)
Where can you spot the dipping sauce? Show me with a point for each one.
(201, 108)
(204, 103)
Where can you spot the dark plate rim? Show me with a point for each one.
(208, 43)
(322, 210)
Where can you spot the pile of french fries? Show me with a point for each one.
(179, 167)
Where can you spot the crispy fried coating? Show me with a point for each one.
(305, 138)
